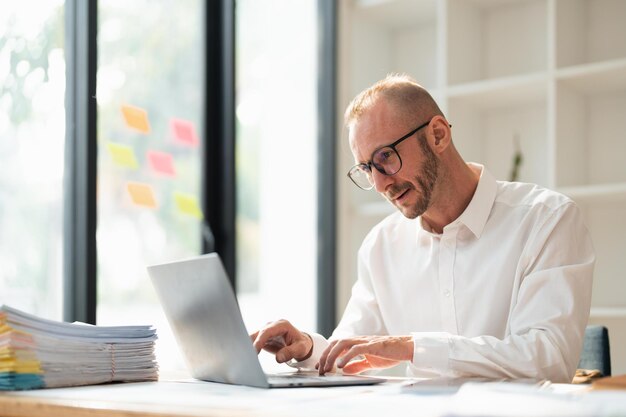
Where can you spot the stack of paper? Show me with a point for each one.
(40, 353)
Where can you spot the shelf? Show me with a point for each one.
(602, 193)
(396, 13)
(590, 125)
(589, 31)
(608, 312)
(595, 78)
(492, 39)
(501, 92)
(392, 36)
(491, 136)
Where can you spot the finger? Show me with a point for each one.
(351, 353)
(264, 335)
(378, 362)
(357, 366)
(274, 344)
(257, 343)
(336, 351)
(290, 352)
(321, 364)
(254, 335)
(276, 341)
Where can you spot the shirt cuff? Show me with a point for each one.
(431, 351)
(319, 345)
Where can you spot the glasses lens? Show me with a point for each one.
(387, 161)
(361, 177)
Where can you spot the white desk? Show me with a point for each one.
(191, 398)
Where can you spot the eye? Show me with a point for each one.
(383, 156)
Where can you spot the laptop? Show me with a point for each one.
(202, 310)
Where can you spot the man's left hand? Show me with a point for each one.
(377, 352)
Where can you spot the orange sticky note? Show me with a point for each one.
(161, 163)
(141, 194)
(188, 204)
(136, 118)
(122, 155)
(184, 132)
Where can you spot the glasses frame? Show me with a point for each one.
(368, 165)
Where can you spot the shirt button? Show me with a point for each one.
(446, 293)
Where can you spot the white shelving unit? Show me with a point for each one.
(549, 74)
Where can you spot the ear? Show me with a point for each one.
(441, 134)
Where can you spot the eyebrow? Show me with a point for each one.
(395, 142)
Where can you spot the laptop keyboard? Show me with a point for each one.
(295, 378)
(312, 379)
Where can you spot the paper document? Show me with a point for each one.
(41, 353)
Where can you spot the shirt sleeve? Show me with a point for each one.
(319, 345)
(548, 319)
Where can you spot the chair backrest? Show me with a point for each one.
(596, 354)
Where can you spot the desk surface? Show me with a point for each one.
(195, 398)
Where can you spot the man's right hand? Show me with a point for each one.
(284, 341)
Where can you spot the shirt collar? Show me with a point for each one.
(475, 215)
(477, 211)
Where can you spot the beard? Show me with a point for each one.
(426, 180)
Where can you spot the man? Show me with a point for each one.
(475, 277)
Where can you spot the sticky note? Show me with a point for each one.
(188, 204)
(122, 155)
(136, 118)
(184, 132)
(161, 163)
(141, 194)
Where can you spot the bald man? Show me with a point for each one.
(471, 277)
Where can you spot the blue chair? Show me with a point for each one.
(596, 354)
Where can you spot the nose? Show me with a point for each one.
(381, 181)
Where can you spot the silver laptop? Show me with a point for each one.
(202, 310)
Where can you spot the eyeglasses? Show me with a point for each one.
(385, 159)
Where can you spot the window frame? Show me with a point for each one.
(218, 197)
(81, 160)
(218, 153)
(327, 168)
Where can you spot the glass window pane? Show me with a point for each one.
(150, 98)
(32, 146)
(276, 108)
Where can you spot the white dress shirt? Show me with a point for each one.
(504, 291)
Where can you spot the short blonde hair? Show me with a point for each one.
(401, 91)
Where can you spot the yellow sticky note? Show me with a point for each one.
(188, 204)
(122, 155)
(141, 194)
(136, 118)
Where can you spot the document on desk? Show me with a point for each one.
(510, 399)
(41, 353)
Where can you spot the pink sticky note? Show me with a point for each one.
(184, 132)
(161, 163)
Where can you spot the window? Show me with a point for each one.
(149, 92)
(139, 83)
(32, 141)
(276, 148)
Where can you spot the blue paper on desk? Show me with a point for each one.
(12, 381)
